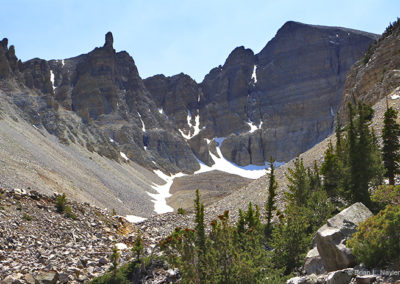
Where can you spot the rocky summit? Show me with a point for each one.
(284, 97)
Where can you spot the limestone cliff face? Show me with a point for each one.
(277, 103)
(377, 73)
(105, 89)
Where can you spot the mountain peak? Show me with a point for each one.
(109, 40)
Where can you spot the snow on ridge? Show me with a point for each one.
(196, 126)
(124, 156)
(254, 127)
(52, 79)
(254, 75)
(143, 126)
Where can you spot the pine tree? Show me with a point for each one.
(200, 226)
(363, 156)
(332, 170)
(299, 184)
(314, 177)
(270, 206)
(391, 145)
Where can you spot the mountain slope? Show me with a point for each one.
(97, 106)
(366, 82)
(277, 103)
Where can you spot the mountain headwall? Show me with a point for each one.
(277, 103)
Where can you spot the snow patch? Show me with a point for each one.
(124, 156)
(394, 97)
(196, 126)
(52, 79)
(254, 75)
(332, 112)
(160, 110)
(62, 63)
(34, 126)
(145, 148)
(223, 165)
(112, 140)
(143, 127)
(134, 219)
(160, 198)
(254, 127)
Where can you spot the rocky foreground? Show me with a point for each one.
(40, 245)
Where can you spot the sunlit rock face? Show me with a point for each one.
(276, 103)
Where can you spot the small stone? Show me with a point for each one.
(63, 278)
(365, 279)
(103, 261)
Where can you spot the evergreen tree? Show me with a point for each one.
(391, 145)
(363, 161)
(299, 184)
(290, 239)
(314, 177)
(270, 206)
(332, 170)
(200, 226)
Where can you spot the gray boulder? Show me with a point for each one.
(309, 279)
(331, 238)
(340, 277)
(47, 277)
(314, 263)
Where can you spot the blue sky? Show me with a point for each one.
(170, 36)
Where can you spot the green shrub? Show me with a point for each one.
(387, 194)
(61, 203)
(376, 244)
(61, 206)
(27, 217)
(138, 247)
(127, 273)
(181, 211)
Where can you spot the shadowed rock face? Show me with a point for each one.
(276, 103)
